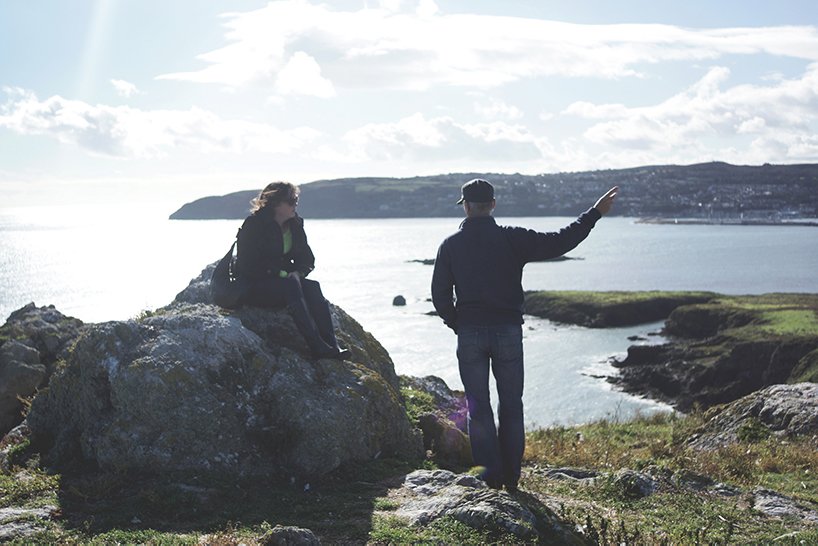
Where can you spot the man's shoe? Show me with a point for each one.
(343, 354)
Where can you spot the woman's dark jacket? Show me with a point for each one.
(260, 251)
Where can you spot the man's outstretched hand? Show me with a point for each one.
(604, 203)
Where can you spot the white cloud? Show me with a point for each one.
(122, 131)
(391, 47)
(783, 115)
(124, 88)
(495, 108)
(302, 76)
(442, 139)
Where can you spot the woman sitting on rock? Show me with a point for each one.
(273, 258)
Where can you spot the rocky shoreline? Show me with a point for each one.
(720, 347)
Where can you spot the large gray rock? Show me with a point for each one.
(427, 495)
(20, 375)
(782, 410)
(31, 342)
(195, 387)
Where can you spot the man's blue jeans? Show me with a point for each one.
(501, 349)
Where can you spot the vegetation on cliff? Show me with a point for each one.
(609, 309)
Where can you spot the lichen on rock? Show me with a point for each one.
(195, 387)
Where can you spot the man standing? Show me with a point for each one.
(477, 291)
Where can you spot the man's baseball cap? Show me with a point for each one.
(476, 191)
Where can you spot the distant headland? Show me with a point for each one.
(713, 193)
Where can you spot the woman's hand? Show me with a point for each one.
(295, 275)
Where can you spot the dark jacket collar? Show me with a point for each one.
(477, 222)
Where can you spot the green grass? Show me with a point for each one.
(388, 529)
(417, 402)
(601, 299)
(791, 315)
(680, 516)
(607, 309)
(353, 505)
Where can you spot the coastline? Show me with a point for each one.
(725, 222)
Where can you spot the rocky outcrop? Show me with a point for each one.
(709, 373)
(194, 387)
(31, 341)
(725, 349)
(780, 410)
(427, 495)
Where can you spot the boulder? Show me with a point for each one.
(427, 495)
(194, 387)
(282, 535)
(31, 342)
(449, 444)
(781, 410)
(20, 375)
(634, 485)
(42, 328)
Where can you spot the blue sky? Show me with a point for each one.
(163, 102)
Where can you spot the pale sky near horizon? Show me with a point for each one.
(105, 101)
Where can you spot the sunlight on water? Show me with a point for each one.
(110, 264)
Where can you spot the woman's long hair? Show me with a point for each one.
(273, 194)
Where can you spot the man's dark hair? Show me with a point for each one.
(480, 208)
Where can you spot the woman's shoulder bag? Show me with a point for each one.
(226, 288)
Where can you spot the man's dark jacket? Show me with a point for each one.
(483, 263)
(260, 251)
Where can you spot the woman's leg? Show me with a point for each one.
(319, 309)
(277, 292)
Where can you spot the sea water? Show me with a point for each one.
(113, 264)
